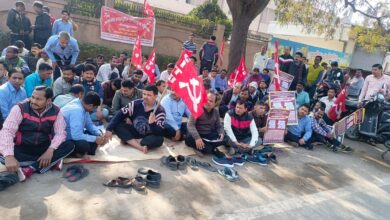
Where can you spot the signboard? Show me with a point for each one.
(285, 100)
(276, 126)
(285, 82)
(120, 27)
(344, 59)
(347, 122)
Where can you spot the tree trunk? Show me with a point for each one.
(243, 13)
(238, 42)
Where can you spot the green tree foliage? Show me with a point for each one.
(324, 17)
(210, 11)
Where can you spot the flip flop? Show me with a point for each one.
(207, 166)
(229, 173)
(8, 179)
(70, 171)
(192, 163)
(78, 175)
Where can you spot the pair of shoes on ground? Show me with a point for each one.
(75, 173)
(230, 161)
(174, 163)
(229, 173)
(342, 148)
(195, 164)
(145, 177)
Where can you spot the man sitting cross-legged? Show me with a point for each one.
(323, 132)
(32, 138)
(206, 133)
(241, 131)
(79, 126)
(141, 123)
(175, 110)
(302, 132)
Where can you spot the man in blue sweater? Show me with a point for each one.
(302, 132)
(79, 126)
(208, 54)
(139, 124)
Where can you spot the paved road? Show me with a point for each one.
(304, 185)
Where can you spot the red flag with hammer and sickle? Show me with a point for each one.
(136, 57)
(338, 106)
(150, 67)
(184, 80)
(239, 74)
(148, 11)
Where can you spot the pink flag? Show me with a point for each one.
(148, 11)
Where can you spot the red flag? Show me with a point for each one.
(338, 106)
(150, 66)
(276, 79)
(184, 80)
(148, 11)
(136, 57)
(239, 74)
(221, 52)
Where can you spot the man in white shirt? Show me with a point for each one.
(260, 59)
(107, 69)
(166, 73)
(329, 100)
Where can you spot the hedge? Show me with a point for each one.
(88, 50)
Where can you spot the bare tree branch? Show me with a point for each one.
(354, 9)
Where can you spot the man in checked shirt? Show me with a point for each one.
(32, 138)
(323, 133)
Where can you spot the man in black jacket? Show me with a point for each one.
(298, 70)
(42, 27)
(15, 22)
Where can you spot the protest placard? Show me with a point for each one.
(276, 126)
(285, 100)
(285, 82)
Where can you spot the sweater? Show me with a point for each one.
(240, 127)
(208, 122)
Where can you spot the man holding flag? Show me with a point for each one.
(144, 122)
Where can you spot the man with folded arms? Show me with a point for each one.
(33, 138)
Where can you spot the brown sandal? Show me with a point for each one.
(138, 183)
(121, 182)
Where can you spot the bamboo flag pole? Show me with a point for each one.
(159, 101)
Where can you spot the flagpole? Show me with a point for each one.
(159, 101)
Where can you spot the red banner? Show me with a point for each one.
(285, 100)
(150, 67)
(285, 81)
(148, 11)
(120, 27)
(239, 74)
(136, 56)
(276, 126)
(184, 80)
